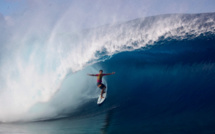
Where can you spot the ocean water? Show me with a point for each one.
(164, 81)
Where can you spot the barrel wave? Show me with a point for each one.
(164, 81)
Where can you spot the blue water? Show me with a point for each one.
(167, 86)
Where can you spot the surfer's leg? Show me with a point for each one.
(103, 87)
(103, 91)
(99, 85)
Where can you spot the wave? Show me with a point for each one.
(44, 72)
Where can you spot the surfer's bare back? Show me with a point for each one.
(99, 80)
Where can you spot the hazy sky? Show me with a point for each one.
(103, 11)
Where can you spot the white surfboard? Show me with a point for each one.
(101, 100)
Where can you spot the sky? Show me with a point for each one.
(100, 12)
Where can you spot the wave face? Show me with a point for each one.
(162, 89)
(163, 64)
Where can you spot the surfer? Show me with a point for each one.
(99, 80)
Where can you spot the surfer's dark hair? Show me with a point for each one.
(100, 70)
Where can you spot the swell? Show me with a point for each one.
(48, 68)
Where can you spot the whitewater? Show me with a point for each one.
(43, 68)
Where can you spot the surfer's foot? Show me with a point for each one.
(102, 97)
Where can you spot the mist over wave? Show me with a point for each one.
(39, 61)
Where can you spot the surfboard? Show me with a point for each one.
(101, 100)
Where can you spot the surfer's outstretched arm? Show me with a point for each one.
(110, 73)
(92, 74)
(102, 74)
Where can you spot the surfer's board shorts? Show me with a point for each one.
(101, 85)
